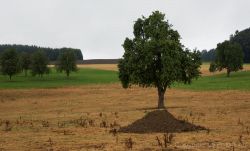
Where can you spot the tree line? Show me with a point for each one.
(240, 37)
(12, 62)
(51, 53)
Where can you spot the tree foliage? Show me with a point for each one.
(229, 56)
(240, 37)
(243, 38)
(9, 62)
(39, 63)
(25, 62)
(67, 62)
(156, 58)
(51, 53)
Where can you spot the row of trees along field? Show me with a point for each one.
(12, 62)
(51, 53)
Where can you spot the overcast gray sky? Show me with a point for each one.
(99, 27)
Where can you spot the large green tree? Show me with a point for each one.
(229, 56)
(67, 62)
(156, 58)
(39, 63)
(25, 62)
(9, 62)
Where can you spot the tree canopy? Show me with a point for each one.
(9, 62)
(52, 54)
(229, 56)
(240, 37)
(66, 62)
(156, 58)
(39, 63)
(25, 62)
(243, 38)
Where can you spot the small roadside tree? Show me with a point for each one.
(9, 63)
(39, 63)
(229, 56)
(156, 58)
(25, 62)
(67, 62)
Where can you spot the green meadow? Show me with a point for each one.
(56, 79)
(84, 76)
(237, 81)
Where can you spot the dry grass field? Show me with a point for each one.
(84, 118)
(204, 68)
(112, 67)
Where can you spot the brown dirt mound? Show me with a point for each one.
(160, 121)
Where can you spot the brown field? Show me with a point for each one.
(73, 118)
(112, 67)
(204, 68)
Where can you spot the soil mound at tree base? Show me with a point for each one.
(160, 121)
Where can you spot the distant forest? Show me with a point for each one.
(208, 56)
(242, 37)
(52, 53)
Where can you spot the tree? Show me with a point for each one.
(156, 58)
(25, 62)
(229, 56)
(67, 62)
(9, 62)
(39, 63)
(213, 67)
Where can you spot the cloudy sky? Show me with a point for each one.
(99, 27)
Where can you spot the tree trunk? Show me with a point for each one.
(228, 72)
(161, 93)
(10, 77)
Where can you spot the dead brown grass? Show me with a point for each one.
(112, 67)
(59, 119)
(204, 68)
